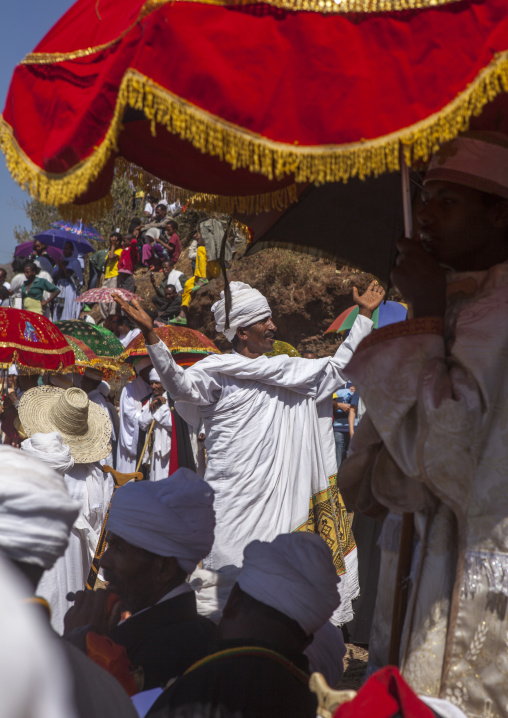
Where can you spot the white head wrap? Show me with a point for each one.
(153, 376)
(248, 306)
(475, 159)
(104, 388)
(154, 233)
(13, 370)
(142, 364)
(36, 511)
(50, 449)
(293, 574)
(170, 517)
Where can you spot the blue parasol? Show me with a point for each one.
(83, 231)
(58, 237)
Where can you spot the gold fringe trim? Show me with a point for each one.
(335, 7)
(45, 58)
(325, 7)
(248, 204)
(242, 149)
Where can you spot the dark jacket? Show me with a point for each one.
(166, 639)
(241, 686)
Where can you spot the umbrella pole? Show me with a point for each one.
(146, 443)
(406, 194)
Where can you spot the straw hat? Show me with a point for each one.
(84, 426)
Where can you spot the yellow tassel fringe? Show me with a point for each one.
(242, 149)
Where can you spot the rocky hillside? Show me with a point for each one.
(305, 296)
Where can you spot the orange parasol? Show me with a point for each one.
(187, 346)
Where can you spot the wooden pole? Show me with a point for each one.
(120, 480)
(145, 444)
(401, 586)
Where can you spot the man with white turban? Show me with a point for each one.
(268, 426)
(286, 591)
(93, 384)
(131, 401)
(156, 411)
(157, 534)
(39, 675)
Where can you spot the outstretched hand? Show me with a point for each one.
(370, 299)
(135, 312)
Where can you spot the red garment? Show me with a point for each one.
(129, 258)
(175, 240)
(385, 695)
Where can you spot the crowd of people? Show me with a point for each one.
(231, 569)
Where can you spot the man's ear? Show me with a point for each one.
(499, 214)
(168, 568)
(241, 333)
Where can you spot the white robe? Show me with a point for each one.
(130, 408)
(101, 400)
(86, 484)
(159, 460)
(269, 441)
(126, 338)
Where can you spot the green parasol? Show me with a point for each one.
(283, 348)
(101, 341)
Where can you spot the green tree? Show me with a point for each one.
(117, 213)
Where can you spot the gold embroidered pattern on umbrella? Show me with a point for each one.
(31, 341)
(186, 345)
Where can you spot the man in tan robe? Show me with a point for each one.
(434, 440)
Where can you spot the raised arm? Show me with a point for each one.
(193, 387)
(333, 375)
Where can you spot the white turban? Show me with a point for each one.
(169, 517)
(104, 388)
(50, 449)
(36, 511)
(153, 376)
(153, 233)
(293, 574)
(248, 306)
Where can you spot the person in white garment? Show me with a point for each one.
(156, 410)
(131, 402)
(68, 276)
(97, 389)
(36, 518)
(268, 425)
(71, 434)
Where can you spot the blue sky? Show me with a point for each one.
(23, 24)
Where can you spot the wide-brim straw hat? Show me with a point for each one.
(83, 425)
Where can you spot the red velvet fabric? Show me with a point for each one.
(32, 340)
(385, 695)
(299, 78)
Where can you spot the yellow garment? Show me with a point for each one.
(111, 265)
(32, 305)
(204, 270)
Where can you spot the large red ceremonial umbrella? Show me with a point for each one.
(32, 341)
(186, 345)
(239, 98)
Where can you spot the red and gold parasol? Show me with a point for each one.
(32, 341)
(252, 96)
(186, 345)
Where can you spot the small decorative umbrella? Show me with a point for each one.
(32, 341)
(26, 248)
(186, 345)
(283, 348)
(85, 357)
(59, 237)
(103, 294)
(386, 313)
(101, 341)
(84, 231)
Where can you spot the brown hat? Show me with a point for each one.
(84, 426)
